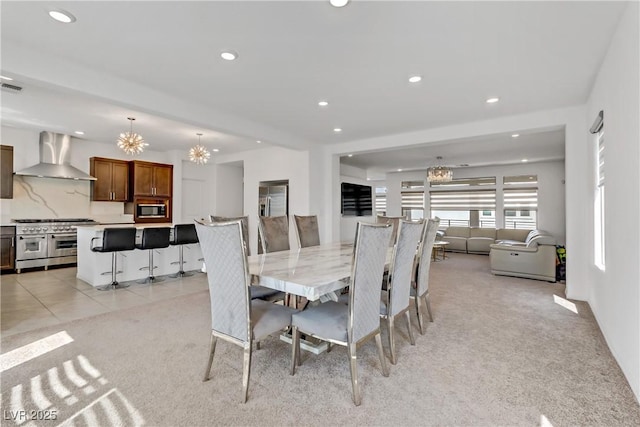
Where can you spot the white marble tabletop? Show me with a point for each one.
(309, 272)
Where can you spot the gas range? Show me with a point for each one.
(45, 242)
(50, 225)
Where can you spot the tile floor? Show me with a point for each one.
(34, 299)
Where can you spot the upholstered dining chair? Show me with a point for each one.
(420, 292)
(393, 220)
(307, 230)
(274, 233)
(352, 324)
(245, 227)
(256, 291)
(395, 300)
(235, 317)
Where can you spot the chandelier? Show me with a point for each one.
(439, 173)
(131, 143)
(199, 153)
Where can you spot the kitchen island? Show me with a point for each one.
(95, 267)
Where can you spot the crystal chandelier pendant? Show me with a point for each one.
(439, 174)
(130, 142)
(199, 153)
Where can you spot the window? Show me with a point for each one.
(520, 208)
(461, 208)
(381, 200)
(599, 240)
(599, 243)
(412, 193)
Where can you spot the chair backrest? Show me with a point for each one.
(393, 220)
(155, 237)
(115, 239)
(307, 230)
(184, 234)
(401, 269)
(274, 233)
(245, 227)
(424, 255)
(369, 257)
(228, 276)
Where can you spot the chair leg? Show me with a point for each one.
(353, 367)
(212, 350)
(257, 345)
(246, 371)
(383, 359)
(418, 304)
(412, 339)
(427, 301)
(295, 349)
(392, 340)
(114, 271)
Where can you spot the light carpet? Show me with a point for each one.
(501, 351)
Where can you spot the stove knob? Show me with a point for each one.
(44, 228)
(67, 228)
(39, 229)
(54, 228)
(31, 229)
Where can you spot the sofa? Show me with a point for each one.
(475, 240)
(535, 258)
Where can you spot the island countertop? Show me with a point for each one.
(139, 226)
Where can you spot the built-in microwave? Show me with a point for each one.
(151, 210)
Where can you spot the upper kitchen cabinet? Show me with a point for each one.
(112, 179)
(151, 179)
(6, 172)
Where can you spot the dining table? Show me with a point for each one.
(313, 272)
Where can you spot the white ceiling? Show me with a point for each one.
(533, 55)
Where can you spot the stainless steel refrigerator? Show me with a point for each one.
(273, 200)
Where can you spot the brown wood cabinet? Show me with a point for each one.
(6, 172)
(7, 247)
(151, 179)
(112, 183)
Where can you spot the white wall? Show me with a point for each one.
(273, 164)
(229, 190)
(614, 294)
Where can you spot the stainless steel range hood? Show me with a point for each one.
(55, 151)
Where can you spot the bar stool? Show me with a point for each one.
(153, 238)
(114, 240)
(183, 234)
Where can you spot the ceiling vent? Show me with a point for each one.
(8, 87)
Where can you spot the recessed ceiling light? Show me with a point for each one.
(79, 132)
(492, 100)
(399, 170)
(524, 160)
(323, 103)
(515, 135)
(62, 16)
(349, 155)
(5, 78)
(338, 3)
(259, 142)
(414, 79)
(215, 150)
(337, 130)
(229, 55)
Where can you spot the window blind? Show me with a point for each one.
(413, 200)
(381, 199)
(521, 199)
(477, 200)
